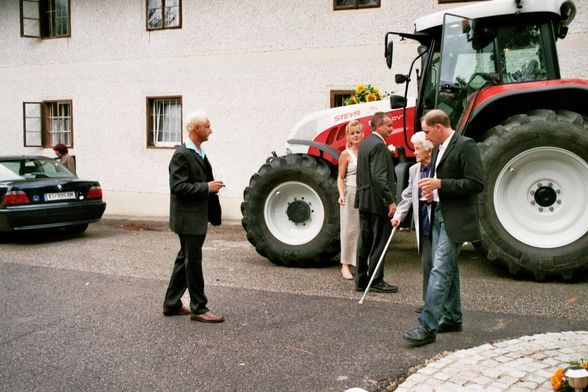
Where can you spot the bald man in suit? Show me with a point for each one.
(194, 202)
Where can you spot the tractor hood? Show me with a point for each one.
(316, 123)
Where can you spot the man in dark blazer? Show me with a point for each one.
(376, 200)
(457, 177)
(194, 202)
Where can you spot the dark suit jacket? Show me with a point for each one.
(462, 178)
(191, 205)
(376, 180)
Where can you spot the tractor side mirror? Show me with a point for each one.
(400, 78)
(388, 53)
(397, 101)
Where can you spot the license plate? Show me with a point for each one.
(60, 196)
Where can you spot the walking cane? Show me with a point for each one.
(377, 266)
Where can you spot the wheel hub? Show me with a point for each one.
(298, 211)
(545, 195)
(294, 213)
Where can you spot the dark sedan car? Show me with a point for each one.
(39, 193)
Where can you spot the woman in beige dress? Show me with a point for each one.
(346, 184)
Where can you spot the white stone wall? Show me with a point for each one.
(256, 66)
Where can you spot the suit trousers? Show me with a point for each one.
(374, 232)
(187, 274)
(442, 301)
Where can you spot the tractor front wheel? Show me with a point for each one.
(533, 214)
(290, 211)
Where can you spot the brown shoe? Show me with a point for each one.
(207, 317)
(182, 311)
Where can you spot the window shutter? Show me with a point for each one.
(33, 124)
(30, 20)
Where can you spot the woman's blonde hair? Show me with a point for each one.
(353, 124)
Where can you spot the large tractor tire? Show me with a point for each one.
(290, 211)
(533, 211)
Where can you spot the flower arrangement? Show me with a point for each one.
(363, 93)
(558, 380)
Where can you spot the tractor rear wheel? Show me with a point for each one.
(290, 211)
(533, 214)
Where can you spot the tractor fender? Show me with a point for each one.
(322, 147)
(571, 95)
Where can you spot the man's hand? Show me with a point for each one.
(395, 222)
(391, 210)
(428, 185)
(215, 186)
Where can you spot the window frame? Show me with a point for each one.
(163, 27)
(44, 123)
(356, 6)
(150, 142)
(334, 93)
(40, 20)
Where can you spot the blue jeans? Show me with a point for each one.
(442, 300)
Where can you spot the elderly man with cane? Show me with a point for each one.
(376, 200)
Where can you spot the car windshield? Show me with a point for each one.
(32, 168)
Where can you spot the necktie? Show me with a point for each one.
(424, 207)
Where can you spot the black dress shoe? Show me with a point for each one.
(383, 287)
(362, 289)
(418, 337)
(449, 326)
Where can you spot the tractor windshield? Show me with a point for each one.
(467, 63)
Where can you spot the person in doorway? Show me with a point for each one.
(65, 159)
(346, 184)
(194, 202)
(421, 209)
(458, 176)
(376, 200)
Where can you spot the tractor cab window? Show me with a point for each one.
(523, 58)
(467, 64)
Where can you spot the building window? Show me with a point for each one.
(164, 121)
(47, 123)
(45, 18)
(164, 14)
(338, 97)
(354, 4)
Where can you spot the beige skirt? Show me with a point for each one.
(349, 228)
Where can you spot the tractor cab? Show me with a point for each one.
(476, 47)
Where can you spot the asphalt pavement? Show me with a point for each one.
(84, 313)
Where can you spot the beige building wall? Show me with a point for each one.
(256, 66)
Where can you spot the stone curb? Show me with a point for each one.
(517, 365)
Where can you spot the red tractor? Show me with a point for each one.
(493, 68)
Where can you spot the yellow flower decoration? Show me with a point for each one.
(557, 379)
(363, 93)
